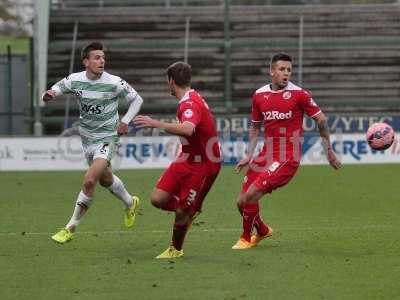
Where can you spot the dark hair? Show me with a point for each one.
(280, 56)
(92, 46)
(181, 73)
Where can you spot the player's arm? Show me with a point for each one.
(60, 88)
(189, 116)
(135, 103)
(323, 127)
(254, 132)
(314, 111)
(182, 129)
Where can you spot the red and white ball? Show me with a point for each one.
(380, 136)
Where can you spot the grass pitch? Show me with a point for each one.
(336, 236)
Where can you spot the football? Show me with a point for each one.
(380, 136)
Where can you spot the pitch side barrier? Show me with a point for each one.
(152, 152)
(151, 149)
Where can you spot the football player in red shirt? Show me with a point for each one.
(280, 106)
(186, 182)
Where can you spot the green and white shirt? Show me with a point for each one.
(98, 104)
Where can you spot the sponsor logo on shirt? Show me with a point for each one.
(287, 95)
(188, 113)
(91, 109)
(78, 94)
(277, 115)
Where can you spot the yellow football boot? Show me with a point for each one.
(130, 213)
(171, 252)
(63, 236)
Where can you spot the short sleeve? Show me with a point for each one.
(308, 104)
(189, 112)
(256, 115)
(63, 86)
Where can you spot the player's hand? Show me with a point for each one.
(145, 121)
(122, 129)
(333, 160)
(48, 95)
(241, 164)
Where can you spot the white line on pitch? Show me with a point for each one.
(294, 228)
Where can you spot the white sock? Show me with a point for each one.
(82, 204)
(118, 190)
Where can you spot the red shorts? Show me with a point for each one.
(269, 176)
(189, 183)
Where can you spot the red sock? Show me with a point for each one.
(171, 205)
(261, 227)
(250, 212)
(178, 235)
(259, 224)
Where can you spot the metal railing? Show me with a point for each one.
(66, 4)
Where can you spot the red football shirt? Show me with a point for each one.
(203, 145)
(282, 112)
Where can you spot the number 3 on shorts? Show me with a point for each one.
(192, 196)
(275, 165)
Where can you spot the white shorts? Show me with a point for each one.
(104, 150)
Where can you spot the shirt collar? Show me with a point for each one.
(186, 96)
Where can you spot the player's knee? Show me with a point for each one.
(105, 182)
(240, 201)
(182, 217)
(247, 198)
(156, 200)
(89, 184)
(255, 195)
(107, 179)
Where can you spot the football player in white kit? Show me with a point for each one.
(98, 93)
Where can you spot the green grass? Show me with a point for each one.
(336, 236)
(18, 45)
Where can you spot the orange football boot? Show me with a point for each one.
(242, 244)
(256, 238)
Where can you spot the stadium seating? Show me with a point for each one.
(350, 53)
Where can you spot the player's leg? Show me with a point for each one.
(276, 175)
(85, 197)
(163, 199)
(261, 227)
(194, 189)
(181, 224)
(84, 200)
(165, 194)
(249, 211)
(189, 206)
(249, 208)
(115, 185)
